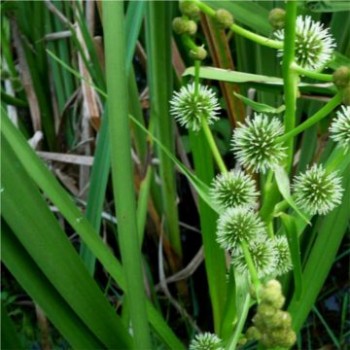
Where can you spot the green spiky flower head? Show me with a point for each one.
(206, 341)
(340, 128)
(236, 225)
(283, 259)
(189, 107)
(263, 256)
(316, 191)
(314, 44)
(234, 189)
(256, 143)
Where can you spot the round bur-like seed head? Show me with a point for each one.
(234, 189)
(263, 256)
(206, 341)
(256, 143)
(236, 225)
(314, 44)
(316, 191)
(283, 259)
(340, 128)
(188, 108)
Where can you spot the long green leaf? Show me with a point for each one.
(262, 82)
(49, 184)
(122, 169)
(32, 279)
(159, 66)
(22, 205)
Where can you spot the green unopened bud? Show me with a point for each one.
(271, 293)
(184, 26)
(179, 25)
(277, 18)
(253, 333)
(199, 53)
(192, 27)
(282, 338)
(341, 77)
(289, 339)
(266, 340)
(224, 18)
(189, 8)
(346, 96)
(281, 320)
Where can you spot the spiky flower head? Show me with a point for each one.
(236, 225)
(316, 191)
(234, 189)
(283, 259)
(206, 341)
(314, 44)
(256, 143)
(340, 128)
(189, 107)
(263, 256)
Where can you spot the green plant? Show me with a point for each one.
(268, 185)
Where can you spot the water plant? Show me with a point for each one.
(198, 132)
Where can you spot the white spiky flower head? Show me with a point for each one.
(189, 107)
(256, 143)
(283, 258)
(234, 189)
(340, 128)
(206, 341)
(316, 191)
(263, 255)
(236, 225)
(314, 44)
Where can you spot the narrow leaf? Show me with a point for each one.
(283, 184)
(260, 107)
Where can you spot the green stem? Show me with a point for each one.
(319, 115)
(197, 66)
(259, 39)
(213, 146)
(251, 266)
(122, 173)
(290, 77)
(239, 327)
(310, 74)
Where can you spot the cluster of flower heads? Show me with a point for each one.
(314, 44)
(206, 341)
(235, 193)
(272, 326)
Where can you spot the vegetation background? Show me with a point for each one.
(71, 273)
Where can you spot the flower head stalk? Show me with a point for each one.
(189, 106)
(340, 128)
(256, 143)
(314, 44)
(316, 191)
